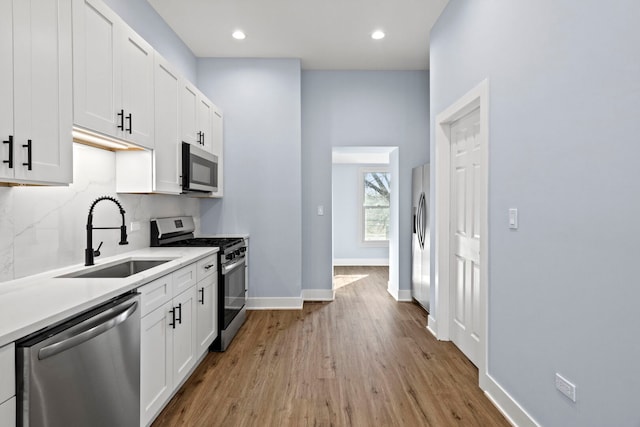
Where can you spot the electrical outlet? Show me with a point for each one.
(134, 226)
(320, 210)
(566, 387)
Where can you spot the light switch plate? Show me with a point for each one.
(135, 226)
(513, 219)
(320, 210)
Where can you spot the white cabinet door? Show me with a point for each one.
(207, 325)
(113, 75)
(167, 153)
(137, 88)
(217, 143)
(205, 113)
(8, 413)
(7, 372)
(6, 87)
(41, 99)
(156, 362)
(189, 112)
(184, 334)
(97, 72)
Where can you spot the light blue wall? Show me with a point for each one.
(564, 112)
(144, 20)
(357, 108)
(260, 99)
(347, 239)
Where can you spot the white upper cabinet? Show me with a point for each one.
(35, 91)
(6, 90)
(113, 75)
(205, 111)
(217, 146)
(156, 171)
(167, 161)
(197, 117)
(189, 112)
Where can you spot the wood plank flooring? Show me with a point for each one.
(361, 360)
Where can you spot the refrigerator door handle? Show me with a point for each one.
(421, 223)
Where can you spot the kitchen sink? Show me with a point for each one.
(119, 270)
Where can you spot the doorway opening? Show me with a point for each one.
(364, 215)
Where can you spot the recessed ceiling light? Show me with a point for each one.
(377, 35)
(239, 35)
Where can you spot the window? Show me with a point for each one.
(375, 190)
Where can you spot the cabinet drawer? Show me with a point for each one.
(184, 278)
(155, 294)
(207, 266)
(7, 372)
(8, 413)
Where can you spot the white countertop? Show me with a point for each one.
(34, 302)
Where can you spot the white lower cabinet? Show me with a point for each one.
(207, 324)
(156, 362)
(7, 386)
(171, 328)
(184, 334)
(8, 413)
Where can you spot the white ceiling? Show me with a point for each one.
(324, 34)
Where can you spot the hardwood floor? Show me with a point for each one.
(361, 360)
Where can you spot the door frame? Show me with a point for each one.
(477, 97)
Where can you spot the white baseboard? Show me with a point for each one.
(368, 262)
(404, 295)
(512, 411)
(318, 294)
(431, 326)
(267, 303)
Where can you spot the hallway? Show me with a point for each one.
(361, 360)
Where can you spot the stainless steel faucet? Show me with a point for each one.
(89, 253)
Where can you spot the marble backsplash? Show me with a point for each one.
(42, 228)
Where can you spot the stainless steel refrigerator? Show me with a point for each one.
(420, 240)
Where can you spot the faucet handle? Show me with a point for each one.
(97, 251)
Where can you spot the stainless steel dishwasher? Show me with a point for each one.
(84, 371)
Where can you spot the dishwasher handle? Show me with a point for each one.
(117, 315)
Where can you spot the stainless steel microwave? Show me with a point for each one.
(199, 170)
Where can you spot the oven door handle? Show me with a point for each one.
(227, 268)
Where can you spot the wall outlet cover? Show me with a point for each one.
(566, 387)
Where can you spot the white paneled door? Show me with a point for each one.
(465, 234)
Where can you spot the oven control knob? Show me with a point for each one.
(229, 256)
(237, 252)
(243, 249)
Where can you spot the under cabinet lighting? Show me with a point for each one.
(377, 35)
(239, 35)
(93, 139)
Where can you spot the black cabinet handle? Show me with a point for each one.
(207, 267)
(179, 317)
(201, 290)
(130, 123)
(202, 138)
(10, 160)
(173, 318)
(121, 115)
(28, 147)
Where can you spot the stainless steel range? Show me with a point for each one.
(232, 292)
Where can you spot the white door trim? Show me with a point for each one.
(477, 97)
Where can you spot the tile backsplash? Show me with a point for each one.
(42, 228)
